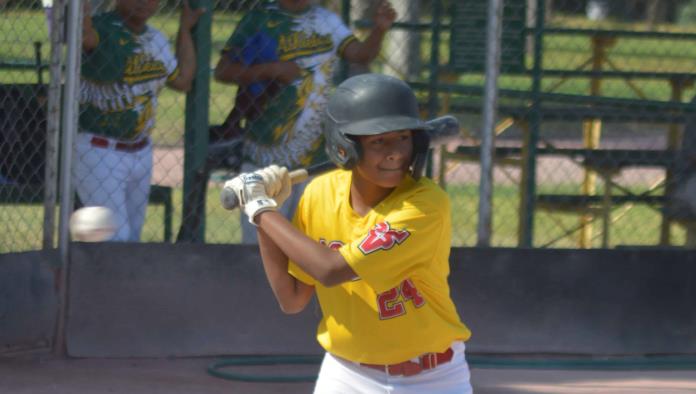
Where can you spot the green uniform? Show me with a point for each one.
(121, 79)
(288, 131)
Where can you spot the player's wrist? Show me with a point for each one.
(380, 29)
(256, 207)
(185, 28)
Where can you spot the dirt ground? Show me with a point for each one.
(45, 374)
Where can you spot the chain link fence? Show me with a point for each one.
(23, 47)
(593, 136)
(592, 145)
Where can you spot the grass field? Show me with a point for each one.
(638, 226)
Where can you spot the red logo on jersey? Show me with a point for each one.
(335, 245)
(382, 237)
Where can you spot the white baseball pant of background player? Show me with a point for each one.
(339, 376)
(114, 179)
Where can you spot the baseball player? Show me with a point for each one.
(126, 64)
(372, 240)
(290, 48)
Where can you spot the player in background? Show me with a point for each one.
(125, 65)
(282, 55)
(372, 240)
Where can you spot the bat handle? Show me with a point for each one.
(299, 175)
(229, 199)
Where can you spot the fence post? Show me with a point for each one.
(196, 123)
(70, 113)
(490, 102)
(528, 192)
(53, 128)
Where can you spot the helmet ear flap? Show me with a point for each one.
(355, 150)
(348, 152)
(341, 148)
(421, 145)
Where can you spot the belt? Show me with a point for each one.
(410, 368)
(135, 146)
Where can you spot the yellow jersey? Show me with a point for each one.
(399, 305)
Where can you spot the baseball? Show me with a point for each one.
(92, 224)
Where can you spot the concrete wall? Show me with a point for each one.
(600, 302)
(151, 300)
(157, 300)
(28, 302)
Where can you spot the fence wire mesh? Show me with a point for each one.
(593, 136)
(599, 149)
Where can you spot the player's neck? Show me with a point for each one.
(365, 195)
(136, 25)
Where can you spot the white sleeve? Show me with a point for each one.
(164, 53)
(339, 31)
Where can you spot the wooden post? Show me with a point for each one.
(524, 187)
(674, 138)
(591, 134)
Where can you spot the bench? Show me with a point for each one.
(605, 162)
(36, 64)
(595, 158)
(531, 105)
(516, 108)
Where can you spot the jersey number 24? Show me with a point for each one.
(391, 302)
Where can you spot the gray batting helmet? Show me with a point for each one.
(371, 104)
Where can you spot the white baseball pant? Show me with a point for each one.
(338, 376)
(118, 180)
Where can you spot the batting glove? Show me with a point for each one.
(251, 192)
(278, 183)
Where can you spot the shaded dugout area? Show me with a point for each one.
(144, 309)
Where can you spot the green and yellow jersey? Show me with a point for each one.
(121, 79)
(288, 130)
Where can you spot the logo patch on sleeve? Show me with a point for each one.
(335, 245)
(382, 237)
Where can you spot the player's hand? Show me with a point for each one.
(250, 189)
(277, 181)
(285, 72)
(189, 17)
(90, 39)
(384, 17)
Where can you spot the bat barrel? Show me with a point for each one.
(442, 130)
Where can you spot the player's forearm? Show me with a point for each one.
(90, 38)
(323, 264)
(292, 296)
(237, 73)
(366, 51)
(186, 58)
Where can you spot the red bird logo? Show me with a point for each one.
(382, 236)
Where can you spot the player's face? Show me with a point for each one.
(294, 5)
(138, 11)
(386, 158)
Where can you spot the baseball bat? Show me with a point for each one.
(442, 130)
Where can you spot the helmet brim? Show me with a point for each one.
(383, 125)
